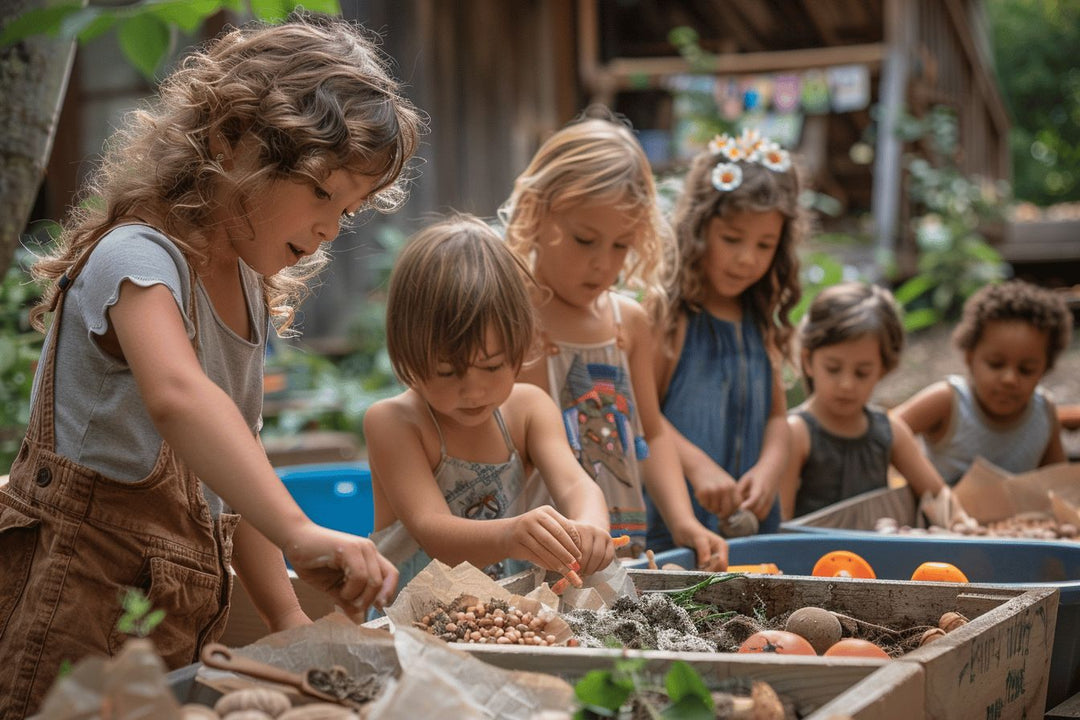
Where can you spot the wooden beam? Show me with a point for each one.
(886, 191)
(647, 72)
(987, 87)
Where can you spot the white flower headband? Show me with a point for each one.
(750, 147)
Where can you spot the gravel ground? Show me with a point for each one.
(930, 355)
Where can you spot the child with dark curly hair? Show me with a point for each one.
(1011, 333)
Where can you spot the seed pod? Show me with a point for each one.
(931, 635)
(952, 620)
(192, 711)
(248, 715)
(271, 702)
(319, 711)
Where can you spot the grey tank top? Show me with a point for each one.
(840, 467)
(473, 490)
(100, 418)
(1017, 447)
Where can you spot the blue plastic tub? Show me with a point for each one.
(335, 495)
(990, 562)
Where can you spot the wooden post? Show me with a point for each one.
(886, 194)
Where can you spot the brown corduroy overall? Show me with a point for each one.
(72, 540)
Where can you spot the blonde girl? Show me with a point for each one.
(142, 455)
(726, 330)
(850, 338)
(451, 455)
(584, 216)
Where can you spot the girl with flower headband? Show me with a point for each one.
(584, 216)
(726, 331)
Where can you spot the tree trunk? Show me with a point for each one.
(33, 80)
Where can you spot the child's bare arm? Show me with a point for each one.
(205, 428)
(909, 460)
(791, 479)
(261, 569)
(397, 456)
(928, 412)
(575, 494)
(1055, 449)
(759, 485)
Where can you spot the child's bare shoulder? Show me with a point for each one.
(404, 409)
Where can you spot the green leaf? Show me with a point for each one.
(272, 11)
(188, 15)
(40, 21)
(922, 318)
(682, 681)
(145, 42)
(598, 688)
(913, 288)
(97, 27)
(327, 7)
(690, 707)
(126, 624)
(152, 620)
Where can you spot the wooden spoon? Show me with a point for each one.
(219, 656)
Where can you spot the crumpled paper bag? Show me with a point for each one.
(989, 493)
(440, 583)
(599, 590)
(128, 686)
(422, 676)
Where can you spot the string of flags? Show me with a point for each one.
(842, 88)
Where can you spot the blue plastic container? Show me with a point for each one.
(987, 562)
(335, 495)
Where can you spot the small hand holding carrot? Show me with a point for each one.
(545, 537)
(596, 546)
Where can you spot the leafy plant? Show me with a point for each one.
(950, 210)
(146, 31)
(19, 354)
(139, 617)
(603, 693)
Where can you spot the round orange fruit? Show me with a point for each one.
(842, 563)
(854, 647)
(781, 642)
(939, 572)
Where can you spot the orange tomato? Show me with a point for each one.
(854, 647)
(842, 563)
(939, 572)
(781, 642)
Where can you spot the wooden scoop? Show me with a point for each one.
(219, 656)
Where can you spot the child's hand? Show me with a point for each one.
(715, 490)
(544, 537)
(711, 549)
(758, 492)
(346, 567)
(597, 550)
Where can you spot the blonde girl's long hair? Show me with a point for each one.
(595, 160)
(311, 96)
(775, 295)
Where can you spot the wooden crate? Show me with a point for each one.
(996, 666)
(819, 688)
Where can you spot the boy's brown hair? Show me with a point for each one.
(453, 281)
(1043, 309)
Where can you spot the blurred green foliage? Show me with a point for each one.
(19, 353)
(147, 32)
(1035, 53)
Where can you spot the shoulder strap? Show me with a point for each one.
(505, 432)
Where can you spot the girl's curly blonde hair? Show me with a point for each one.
(773, 296)
(311, 96)
(595, 160)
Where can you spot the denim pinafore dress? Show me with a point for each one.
(719, 398)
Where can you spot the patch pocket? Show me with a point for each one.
(189, 598)
(18, 543)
